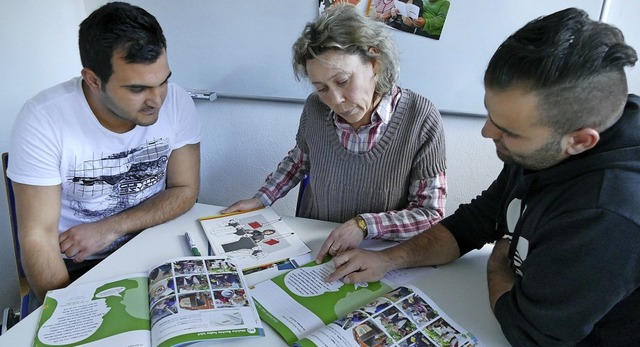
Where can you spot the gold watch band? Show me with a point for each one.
(362, 225)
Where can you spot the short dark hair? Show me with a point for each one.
(574, 64)
(119, 26)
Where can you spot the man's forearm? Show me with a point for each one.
(500, 277)
(43, 266)
(183, 187)
(435, 246)
(38, 212)
(162, 207)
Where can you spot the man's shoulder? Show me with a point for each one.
(55, 105)
(61, 91)
(619, 192)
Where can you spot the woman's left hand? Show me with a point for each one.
(343, 238)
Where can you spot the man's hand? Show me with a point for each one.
(343, 238)
(243, 205)
(359, 265)
(408, 21)
(499, 275)
(84, 240)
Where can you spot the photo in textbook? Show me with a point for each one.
(255, 239)
(181, 301)
(309, 312)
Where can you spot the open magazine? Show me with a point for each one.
(407, 10)
(307, 311)
(181, 301)
(256, 239)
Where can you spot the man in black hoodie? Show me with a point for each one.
(564, 213)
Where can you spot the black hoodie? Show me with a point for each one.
(575, 230)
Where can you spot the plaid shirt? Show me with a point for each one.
(383, 6)
(426, 197)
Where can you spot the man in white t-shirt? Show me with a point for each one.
(96, 159)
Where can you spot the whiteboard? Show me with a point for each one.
(234, 47)
(449, 71)
(243, 47)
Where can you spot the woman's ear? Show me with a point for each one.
(582, 140)
(375, 62)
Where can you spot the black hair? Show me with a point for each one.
(574, 64)
(119, 26)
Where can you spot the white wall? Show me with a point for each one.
(39, 48)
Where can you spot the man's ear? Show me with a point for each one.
(582, 140)
(91, 79)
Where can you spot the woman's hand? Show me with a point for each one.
(243, 205)
(343, 238)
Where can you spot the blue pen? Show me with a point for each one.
(191, 244)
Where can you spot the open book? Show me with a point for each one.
(407, 10)
(307, 311)
(178, 302)
(256, 239)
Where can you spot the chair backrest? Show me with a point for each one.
(303, 186)
(11, 204)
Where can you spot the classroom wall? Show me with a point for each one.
(33, 58)
(242, 140)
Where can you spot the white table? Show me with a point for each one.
(459, 288)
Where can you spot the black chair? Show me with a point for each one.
(11, 204)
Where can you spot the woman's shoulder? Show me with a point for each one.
(414, 96)
(418, 104)
(313, 103)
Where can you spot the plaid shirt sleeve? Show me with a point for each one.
(291, 170)
(426, 208)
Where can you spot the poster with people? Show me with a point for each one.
(425, 18)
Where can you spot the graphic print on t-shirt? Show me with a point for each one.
(513, 214)
(101, 187)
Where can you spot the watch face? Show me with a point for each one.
(361, 223)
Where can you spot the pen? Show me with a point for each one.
(191, 244)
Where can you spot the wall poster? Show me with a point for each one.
(424, 18)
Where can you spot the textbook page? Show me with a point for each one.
(403, 317)
(181, 301)
(301, 301)
(82, 314)
(304, 309)
(200, 298)
(256, 240)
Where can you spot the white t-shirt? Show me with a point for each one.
(58, 140)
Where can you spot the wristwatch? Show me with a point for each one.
(362, 225)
